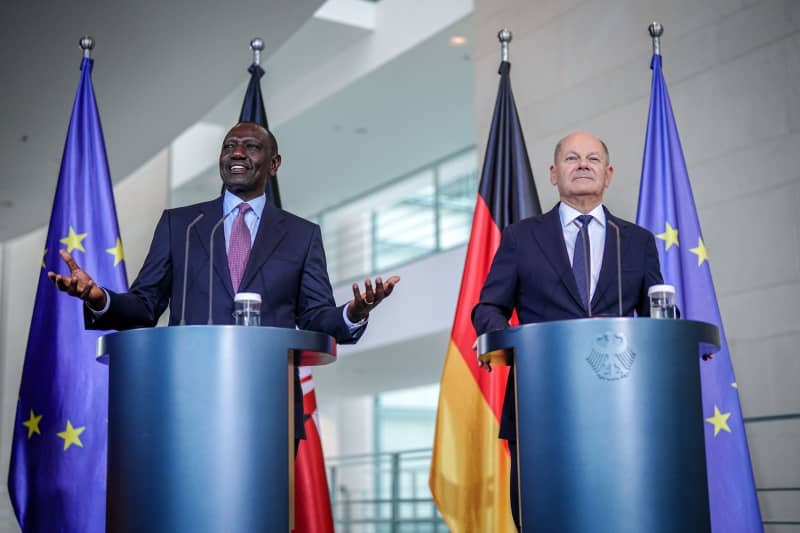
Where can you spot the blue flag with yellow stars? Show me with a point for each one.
(57, 477)
(666, 207)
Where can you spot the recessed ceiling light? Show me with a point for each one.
(458, 40)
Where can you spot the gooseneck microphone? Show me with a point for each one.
(619, 265)
(211, 266)
(186, 267)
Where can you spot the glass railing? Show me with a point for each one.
(421, 213)
(383, 493)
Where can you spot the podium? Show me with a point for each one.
(200, 426)
(609, 423)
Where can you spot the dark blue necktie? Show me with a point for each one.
(581, 265)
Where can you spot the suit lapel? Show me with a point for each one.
(608, 270)
(550, 236)
(213, 213)
(271, 231)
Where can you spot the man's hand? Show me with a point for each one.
(359, 307)
(78, 283)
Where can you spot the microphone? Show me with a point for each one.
(619, 265)
(211, 265)
(186, 267)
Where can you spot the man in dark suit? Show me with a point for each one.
(563, 264)
(258, 248)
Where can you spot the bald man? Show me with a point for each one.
(562, 265)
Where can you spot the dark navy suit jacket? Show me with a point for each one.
(286, 267)
(531, 274)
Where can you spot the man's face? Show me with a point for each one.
(581, 170)
(247, 160)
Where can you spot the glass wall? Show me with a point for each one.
(421, 213)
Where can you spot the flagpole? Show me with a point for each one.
(253, 110)
(656, 31)
(504, 36)
(87, 43)
(257, 45)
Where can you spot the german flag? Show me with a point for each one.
(469, 475)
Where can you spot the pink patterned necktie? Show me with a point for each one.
(239, 248)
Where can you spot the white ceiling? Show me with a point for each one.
(406, 114)
(159, 66)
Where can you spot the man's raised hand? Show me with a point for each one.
(359, 307)
(78, 283)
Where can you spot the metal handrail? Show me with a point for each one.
(404, 508)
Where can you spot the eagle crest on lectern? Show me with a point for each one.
(611, 358)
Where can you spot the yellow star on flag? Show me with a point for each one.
(670, 237)
(73, 240)
(32, 423)
(735, 385)
(71, 435)
(116, 251)
(701, 251)
(719, 421)
(44, 254)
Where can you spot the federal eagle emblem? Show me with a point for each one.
(611, 357)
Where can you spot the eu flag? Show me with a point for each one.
(57, 477)
(666, 207)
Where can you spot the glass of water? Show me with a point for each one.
(662, 301)
(247, 309)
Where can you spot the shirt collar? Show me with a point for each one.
(230, 202)
(568, 214)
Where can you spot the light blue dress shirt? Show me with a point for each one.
(230, 208)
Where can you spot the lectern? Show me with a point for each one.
(609, 423)
(200, 434)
